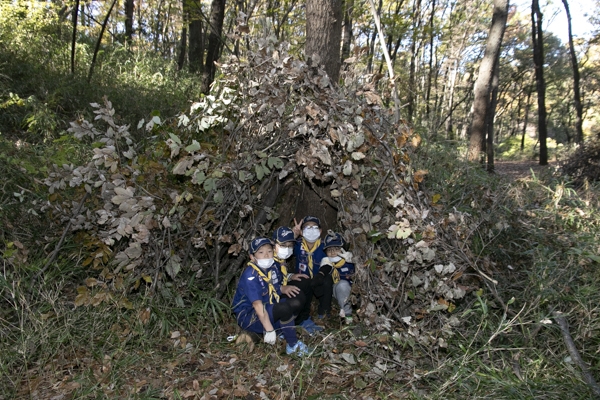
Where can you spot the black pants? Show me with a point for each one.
(305, 288)
(289, 308)
(323, 292)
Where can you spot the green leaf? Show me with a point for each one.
(210, 184)
(260, 173)
(260, 154)
(199, 177)
(275, 162)
(175, 138)
(244, 176)
(218, 197)
(195, 146)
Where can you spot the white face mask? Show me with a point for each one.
(264, 263)
(311, 234)
(284, 252)
(335, 259)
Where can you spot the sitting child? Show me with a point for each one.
(258, 304)
(308, 251)
(338, 265)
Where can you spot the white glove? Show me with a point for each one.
(346, 255)
(270, 337)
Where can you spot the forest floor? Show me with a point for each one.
(522, 168)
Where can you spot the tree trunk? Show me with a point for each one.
(196, 51)
(526, 120)
(484, 80)
(416, 24)
(100, 40)
(347, 31)
(323, 34)
(491, 113)
(538, 60)
(217, 14)
(129, 7)
(430, 72)
(74, 40)
(182, 48)
(577, 93)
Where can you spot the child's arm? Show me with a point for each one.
(269, 337)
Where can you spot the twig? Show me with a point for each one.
(379, 188)
(587, 376)
(189, 245)
(331, 203)
(62, 239)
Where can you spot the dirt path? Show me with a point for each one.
(522, 169)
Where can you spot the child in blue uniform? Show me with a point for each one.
(258, 304)
(309, 252)
(338, 265)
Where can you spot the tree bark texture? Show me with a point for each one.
(430, 72)
(100, 40)
(416, 25)
(324, 33)
(74, 40)
(491, 113)
(484, 80)
(182, 49)
(525, 120)
(129, 7)
(538, 60)
(215, 42)
(196, 50)
(347, 31)
(576, 89)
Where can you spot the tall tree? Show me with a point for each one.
(74, 39)
(97, 48)
(196, 51)
(129, 7)
(323, 34)
(538, 61)
(576, 89)
(484, 80)
(491, 115)
(416, 26)
(347, 30)
(215, 42)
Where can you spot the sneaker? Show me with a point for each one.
(310, 326)
(299, 349)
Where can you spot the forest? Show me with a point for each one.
(453, 145)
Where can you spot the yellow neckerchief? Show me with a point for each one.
(272, 292)
(336, 274)
(310, 253)
(283, 269)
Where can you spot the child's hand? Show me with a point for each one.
(299, 277)
(290, 291)
(270, 337)
(346, 255)
(297, 229)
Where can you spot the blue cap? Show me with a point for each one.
(283, 234)
(333, 240)
(257, 243)
(310, 218)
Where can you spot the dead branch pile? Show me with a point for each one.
(584, 164)
(188, 206)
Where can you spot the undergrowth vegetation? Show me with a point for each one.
(123, 232)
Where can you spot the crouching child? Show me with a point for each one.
(338, 265)
(258, 304)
